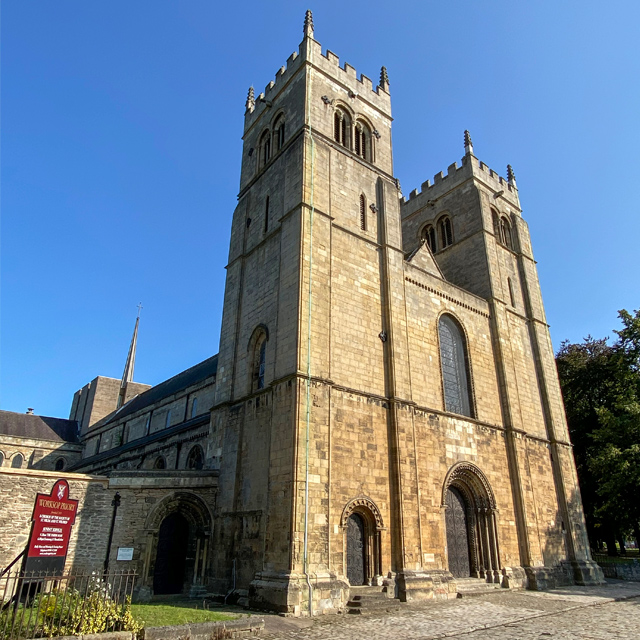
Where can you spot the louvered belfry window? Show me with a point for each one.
(429, 236)
(363, 213)
(446, 232)
(453, 361)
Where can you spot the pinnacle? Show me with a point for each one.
(251, 100)
(468, 145)
(384, 79)
(511, 177)
(308, 24)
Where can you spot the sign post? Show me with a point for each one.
(53, 517)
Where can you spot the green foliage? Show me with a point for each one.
(73, 614)
(601, 388)
(162, 615)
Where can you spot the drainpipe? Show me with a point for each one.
(115, 503)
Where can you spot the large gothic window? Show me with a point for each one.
(453, 360)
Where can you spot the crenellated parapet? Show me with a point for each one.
(470, 167)
(352, 86)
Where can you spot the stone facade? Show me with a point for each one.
(336, 427)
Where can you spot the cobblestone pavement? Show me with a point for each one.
(593, 613)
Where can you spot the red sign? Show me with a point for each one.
(53, 517)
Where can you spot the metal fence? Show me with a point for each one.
(41, 604)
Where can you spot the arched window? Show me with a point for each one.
(362, 145)
(428, 235)
(363, 213)
(194, 407)
(453, 360)
(266, 215)
(167, 422)
(17, 460)
(1, 458)
(265, 148)
(279, 132)
(195, 459)
(257, 358)
(341, 128)
(60, 464)
(496, 224)
(445, 231)
(505, 232)
(160, 463)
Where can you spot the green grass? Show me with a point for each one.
(163, 615)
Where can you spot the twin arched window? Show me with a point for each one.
(265, 148)
(444, 234)
(455, 369)
(278, 132)
(362, 145)
(502, 229)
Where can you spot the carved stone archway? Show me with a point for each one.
(191, 512)
(466, 487)
(362, 523)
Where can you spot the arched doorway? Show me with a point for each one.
(177, 550)
(356, 550)
(471, 524)
(362, 523)
(457, 534)
(171, 556)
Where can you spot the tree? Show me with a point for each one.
(601, 389)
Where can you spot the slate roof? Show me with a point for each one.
(187, 378)
(25, 425)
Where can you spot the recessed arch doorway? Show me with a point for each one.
(470, 521)
(178, 545)
(362, 525)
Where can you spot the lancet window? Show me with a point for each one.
(258, 358)
(265, 148)
(195, 459)
(279, 132)
(362, 145)
(363, 213)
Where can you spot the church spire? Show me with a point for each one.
(127, 375)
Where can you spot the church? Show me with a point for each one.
(384, 408)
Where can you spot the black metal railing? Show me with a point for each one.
(43, 604)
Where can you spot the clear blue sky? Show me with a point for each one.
(121, 127)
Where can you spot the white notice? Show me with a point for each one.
(125, 553)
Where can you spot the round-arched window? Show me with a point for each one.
(60, 464)
(195, 459)
(453, 361)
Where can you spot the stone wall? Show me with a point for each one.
(18, 489)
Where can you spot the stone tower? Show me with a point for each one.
(336, 447)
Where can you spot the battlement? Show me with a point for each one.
(456, 174)
(310, 51)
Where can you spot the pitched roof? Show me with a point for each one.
(187, 378)
(25, 425)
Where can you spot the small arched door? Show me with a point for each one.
(457, 534)
(173, 539)
(356, 549)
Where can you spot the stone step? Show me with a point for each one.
(368, 599)
(469, 587)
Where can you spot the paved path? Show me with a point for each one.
(572, 613)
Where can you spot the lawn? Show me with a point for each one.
(162, 614)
